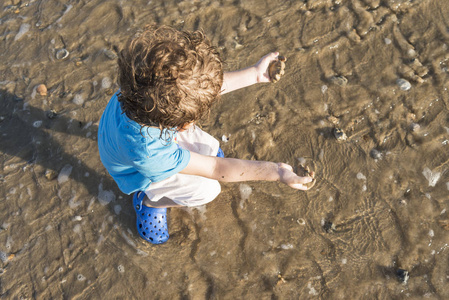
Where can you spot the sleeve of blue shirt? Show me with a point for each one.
(158, 159)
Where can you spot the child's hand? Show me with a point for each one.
(262, 67)
(242, 78)
(288, 177)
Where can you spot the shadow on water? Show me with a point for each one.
(35, 144)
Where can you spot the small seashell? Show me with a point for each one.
(80, 277)
(301, 221)
(339, 134)
(286, 246)
(238, 46)
(62, 54)
(50, 174)
(24, 28)
(42, 89)
(402, 275)
(323, 89)
(110, 54)
(51, 114)
(339, 80)
(334, 120)
(411, 117)
(37, 124)
(415, 127)
(106, 83)
(78, 99)
(403, 84)
(376, 154)
(328, 226)
(121, 268)
(281, 279)
(411, 52)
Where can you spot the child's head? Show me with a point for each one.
(168, 78)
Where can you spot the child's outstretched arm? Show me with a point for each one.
(234, 170)
(242, 78)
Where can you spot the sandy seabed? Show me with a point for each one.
(380, 204)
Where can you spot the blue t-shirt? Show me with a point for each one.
(135, 157)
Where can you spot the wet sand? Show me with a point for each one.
(380, 204)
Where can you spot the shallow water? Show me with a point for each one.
(381, 199)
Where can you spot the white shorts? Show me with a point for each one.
(189, 190)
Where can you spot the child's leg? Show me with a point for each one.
(187, 190)
(183, 190)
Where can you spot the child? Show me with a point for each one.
(147, 136)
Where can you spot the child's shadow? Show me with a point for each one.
(27, 133)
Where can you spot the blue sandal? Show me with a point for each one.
(151, 222)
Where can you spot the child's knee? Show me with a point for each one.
(216, 188)
(211, 189)
(207, 192)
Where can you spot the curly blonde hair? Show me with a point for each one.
(168, 78)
